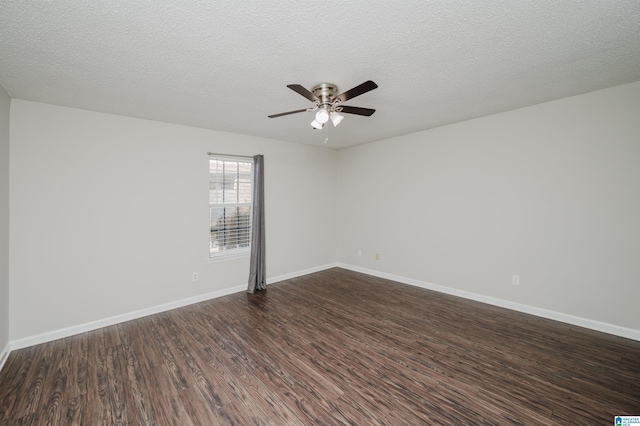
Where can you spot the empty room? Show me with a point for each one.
(286, 213)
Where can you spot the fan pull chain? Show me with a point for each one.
(326, 133)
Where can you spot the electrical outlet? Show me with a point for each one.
(515, 279)
(194, 276)
(377, 256)
(359, 252)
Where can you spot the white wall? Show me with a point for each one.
(5, 103)
(550, 192)
(109, 214)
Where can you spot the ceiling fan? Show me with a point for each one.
(328, 104)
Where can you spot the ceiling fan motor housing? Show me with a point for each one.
(326, 92)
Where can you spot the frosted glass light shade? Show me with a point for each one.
(322, 116)
(336, 118)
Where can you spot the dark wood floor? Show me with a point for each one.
(335, 347)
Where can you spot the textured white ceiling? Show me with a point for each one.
(225, 65)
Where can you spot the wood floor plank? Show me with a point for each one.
(333, 347)
(140, 397)
(56, 384)
(98, 405)
(33, 390)
(20, 364)
(74, 406)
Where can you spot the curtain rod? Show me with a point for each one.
(230, 155)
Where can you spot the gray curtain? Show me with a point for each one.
(257, 270)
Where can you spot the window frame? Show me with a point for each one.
(237, 252)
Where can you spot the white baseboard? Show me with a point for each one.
(616, 330)
(93, 325)
(77, 329)
(301, 273)
(5, 354)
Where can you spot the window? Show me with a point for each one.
(230, 188)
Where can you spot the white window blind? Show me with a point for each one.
(230, 188)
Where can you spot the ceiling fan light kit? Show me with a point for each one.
(328, 104)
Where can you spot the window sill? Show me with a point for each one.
(231, 256)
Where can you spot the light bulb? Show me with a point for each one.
(322, 116)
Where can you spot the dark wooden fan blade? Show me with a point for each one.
(357, 110)
(357, 91)
(287, 113)
(304, 92)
